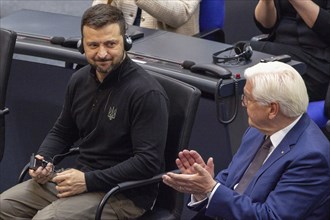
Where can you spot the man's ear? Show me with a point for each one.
(274, 110)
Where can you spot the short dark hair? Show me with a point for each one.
(103, 14)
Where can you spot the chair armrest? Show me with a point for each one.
(4, 111)
(125, 186)
(23, 173)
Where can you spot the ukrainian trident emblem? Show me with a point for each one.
(112, 113)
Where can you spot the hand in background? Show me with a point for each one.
(70, 182)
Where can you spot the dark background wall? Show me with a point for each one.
(239, 24)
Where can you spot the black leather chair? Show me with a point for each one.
(319, 111)
(184, 100)
(7, 44)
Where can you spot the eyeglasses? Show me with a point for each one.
(245, 100)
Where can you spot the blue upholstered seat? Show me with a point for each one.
(211, 20)
(212, 14)
(316, 111)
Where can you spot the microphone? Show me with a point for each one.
(72, 42)
(136, 35)
(207, 68)
(187, 64)
(153, 58)
(32, 36)
(65, 42)
(57, 40)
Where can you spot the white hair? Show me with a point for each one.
(281, 83)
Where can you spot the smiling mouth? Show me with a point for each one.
(103, 61)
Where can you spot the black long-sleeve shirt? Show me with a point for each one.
(291, 28)
(120, 125)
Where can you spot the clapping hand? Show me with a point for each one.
(196, 177)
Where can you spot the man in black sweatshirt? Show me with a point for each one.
(117, 114)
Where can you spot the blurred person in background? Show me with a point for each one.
(300, 28)
(180, 16)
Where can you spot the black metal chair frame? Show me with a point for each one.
(7, 42)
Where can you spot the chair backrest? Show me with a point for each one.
(184, 100)
(319, 111)
(211, 14)
(7, 44)
(316, 111)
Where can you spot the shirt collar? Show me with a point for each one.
(278, 136)
(116, 74)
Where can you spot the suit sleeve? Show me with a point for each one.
(306, 178)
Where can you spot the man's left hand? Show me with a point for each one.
(70, 182)
(198, 183)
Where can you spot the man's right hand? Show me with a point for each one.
(188, 158)
(42, 174)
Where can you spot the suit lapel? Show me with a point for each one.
(288, 142)
(245, 157)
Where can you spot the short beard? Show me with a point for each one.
(102, 71)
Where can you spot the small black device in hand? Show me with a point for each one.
(35, 163)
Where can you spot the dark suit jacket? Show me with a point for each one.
(293, 183)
